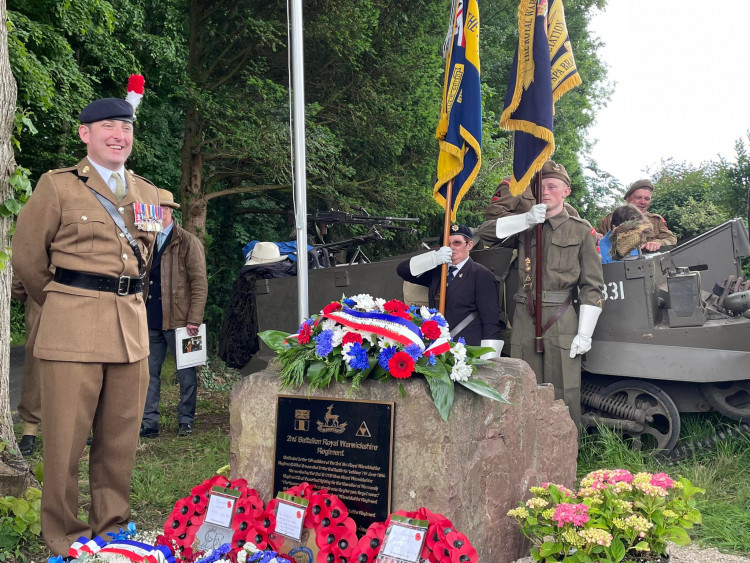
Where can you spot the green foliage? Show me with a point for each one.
(20, 522)
(17, 323)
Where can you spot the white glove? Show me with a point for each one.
(587, 318)
(512, 224)
(496, 344)
(422, 263)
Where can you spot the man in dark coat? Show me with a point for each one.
(471, 302)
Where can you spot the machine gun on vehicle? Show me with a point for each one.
(325, 219)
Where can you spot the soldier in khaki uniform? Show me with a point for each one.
(92, 341)
(570, 261)
(503, 204)
(30, 406)
(639, 194)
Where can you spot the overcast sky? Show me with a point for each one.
(681, 75)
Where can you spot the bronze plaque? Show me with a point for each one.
(342, 445)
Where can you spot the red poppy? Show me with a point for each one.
(305, 334)
(339, 541)
(331, 307)
(461, 549)
(395, 306)
(401, 365)
(441, 553)
(318, 509)
(369, 546)
(239, 484)
(430, 330)
(352, 337)
(251, 506)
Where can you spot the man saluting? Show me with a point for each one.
(96, 223)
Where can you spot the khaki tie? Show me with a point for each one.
(120, 189)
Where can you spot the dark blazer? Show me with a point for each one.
(473, 289)
(154, 314)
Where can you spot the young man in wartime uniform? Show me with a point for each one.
(503, 204)
(569, 261)
(92, 342)
(471, 300)
(639, 194)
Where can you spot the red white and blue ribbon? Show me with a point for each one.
(138, 552)
(84, 545)
(402, 331)
(440, 346)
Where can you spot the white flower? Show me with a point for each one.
(459, 352)
(460, 372)
(379, 302)
(369, 337)
(364, 301)
(337, 335)
(385, 342)
(327, 324)
(424, 312)
(445, 332)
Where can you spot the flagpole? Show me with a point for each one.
(446, 242)
(539, 332)
(300, 164)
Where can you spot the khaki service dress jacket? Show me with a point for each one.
(64, 225)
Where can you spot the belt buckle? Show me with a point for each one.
(120, 290)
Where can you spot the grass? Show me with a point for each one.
(168, 467)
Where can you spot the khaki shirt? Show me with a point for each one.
(569, 256)
(660, 231)
(64, 225)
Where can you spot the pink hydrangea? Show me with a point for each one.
(662, 480)
(576, 514)
(567, 492)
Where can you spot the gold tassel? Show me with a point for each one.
(442, 127)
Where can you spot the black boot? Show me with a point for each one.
(27, 445)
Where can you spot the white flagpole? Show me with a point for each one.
(300, 166)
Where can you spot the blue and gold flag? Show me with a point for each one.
(460, 127)
(543, 70)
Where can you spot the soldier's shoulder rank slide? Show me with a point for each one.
(148, 217)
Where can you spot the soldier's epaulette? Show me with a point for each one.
(582, 221)
(139, 177)
(61, 170)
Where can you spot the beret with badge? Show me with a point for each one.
(552, 169)
(116, 109)
(643, 184)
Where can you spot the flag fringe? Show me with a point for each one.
(451, 173)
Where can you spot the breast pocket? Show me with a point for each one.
(565, 251)
(86, 226)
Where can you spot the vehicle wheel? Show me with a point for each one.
(662, 427)
(730, 398)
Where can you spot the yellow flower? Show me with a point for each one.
(670, 513)
(596, 536)
(521, 513)
(572, 537)
(536, 503)
(548, 514)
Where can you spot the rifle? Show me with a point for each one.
(334, 217)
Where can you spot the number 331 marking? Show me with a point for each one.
(613, 290)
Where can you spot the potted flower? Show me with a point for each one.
(614, 516)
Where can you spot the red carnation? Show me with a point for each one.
(305, 334)
(136, 83)
(332, 307)
(395, 306)
(431, 330)
(401, 365)
(352, 337)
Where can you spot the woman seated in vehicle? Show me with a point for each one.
(627, 235)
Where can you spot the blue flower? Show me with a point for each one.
(431, 360)
(217, 554)
(308, 322)
(461, 340)
(432, 311)
(385, 356)
(324, 343)
(439, 319)
(414, 351)
(349, 302)
(358, 357)
(55, 559)
(123, 534)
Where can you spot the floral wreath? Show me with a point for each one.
(362, 336)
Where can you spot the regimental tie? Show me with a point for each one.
(451, 274)
(120, 190)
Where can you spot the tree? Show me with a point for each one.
(13, 476)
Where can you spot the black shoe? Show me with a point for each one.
(27, 445)
(184, 429)
(149, 432)
(89, 440)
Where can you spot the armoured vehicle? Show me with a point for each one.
(672, 337)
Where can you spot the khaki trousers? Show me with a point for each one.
(554, 366)
(78, 397)
(30, 407)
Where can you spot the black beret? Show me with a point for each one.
(107, 108)
(461, 230)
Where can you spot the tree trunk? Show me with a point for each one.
(14, 477)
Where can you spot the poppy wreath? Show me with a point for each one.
(328, 517)
(190, 512)
(443, 543)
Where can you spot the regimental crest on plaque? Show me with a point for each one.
(302, 420)
(331, 423)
